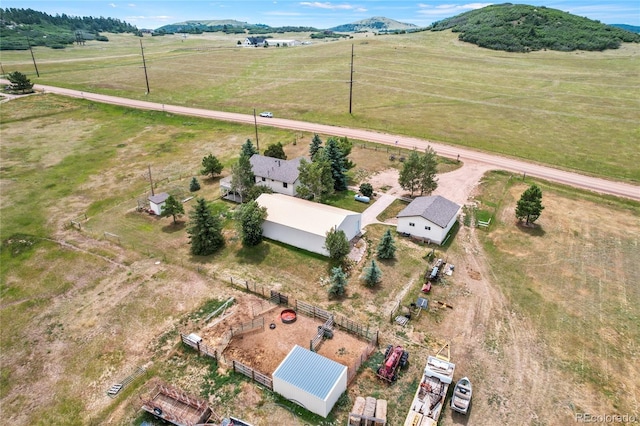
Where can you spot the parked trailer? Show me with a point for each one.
(174, 406)
(429, 398)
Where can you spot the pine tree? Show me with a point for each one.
(316, 145)
(366, 189)
(338, 282)
(242, 177)
(250, 217)
(194, 185)
(529, 206)
(387, 246)
(172, 207)
(248, 149)
(205, 230)
(372, 274)
(19, 82)
(211, 165)
(332, 153)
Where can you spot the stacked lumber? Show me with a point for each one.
(368, 412)
(358, 409)
(381, 412)
(369, 409)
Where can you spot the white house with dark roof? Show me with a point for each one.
(156, 202)
(304, 224)
(310, 380)
(430, 218)
(279, 175)
(254, 42)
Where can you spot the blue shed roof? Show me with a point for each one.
(309, 372)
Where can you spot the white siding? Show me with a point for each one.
(157, 208)
(278, 186)
(351, 226)
(294, 237)
(435, 234)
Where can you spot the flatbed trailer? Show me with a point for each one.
(176, 407)
(428, 401)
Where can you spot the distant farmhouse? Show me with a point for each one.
(261, 42)
(254, 42)
(429, 218)
(304, 224)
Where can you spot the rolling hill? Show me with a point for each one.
(377, 23)
(523, 28)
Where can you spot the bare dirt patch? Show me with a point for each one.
(264, 349)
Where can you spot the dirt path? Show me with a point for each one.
(517, 166)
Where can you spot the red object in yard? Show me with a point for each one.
(288, 316)
(427, 287)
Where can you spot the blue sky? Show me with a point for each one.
(320, 14)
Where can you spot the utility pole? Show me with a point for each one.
(33, 57)
(151, 181)
(255, 123)
(351, 82)
(144, 65)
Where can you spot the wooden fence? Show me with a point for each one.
(254, 375)
(200, 347)
(246, 327)
(352, 371)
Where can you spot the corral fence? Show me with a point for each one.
(253, 374)
(364, 356)
(201, 347)
(246, 327)
(324, 330)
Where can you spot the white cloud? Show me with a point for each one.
(113, 5)
(448, 10)
(331, 6)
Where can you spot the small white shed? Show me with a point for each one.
(304, 224)
(156, 202)
(310, 380)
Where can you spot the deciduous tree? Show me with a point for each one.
(529, 206)
(337, 244)
(409, 178)
(316, 180)
(250, 217)
(428, 169)
(242, 177)
(275, 150)
(205, 230)
(366, 189)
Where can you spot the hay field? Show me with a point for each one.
(575, 110)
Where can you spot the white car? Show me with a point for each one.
(266, 114)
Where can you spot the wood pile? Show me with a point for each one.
(368, 411)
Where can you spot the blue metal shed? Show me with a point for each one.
(310, 380)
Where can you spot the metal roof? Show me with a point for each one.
(309, 372)
(274, 168)
(304, 215)
(435, 209)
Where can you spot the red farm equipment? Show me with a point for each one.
(395, 358)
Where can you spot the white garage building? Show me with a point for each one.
(429, 218)
(304, 224)
(310, 380)
(156, 202)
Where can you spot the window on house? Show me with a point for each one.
(428, 228)
(284, 184)
(412, 224)
(264, 179)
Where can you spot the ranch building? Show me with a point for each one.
(304, 224)
(156, 202)
(429, 218)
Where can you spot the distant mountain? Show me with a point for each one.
(632, 28)
(377, 23)
(523, 28)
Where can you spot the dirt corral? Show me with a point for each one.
(265, 348)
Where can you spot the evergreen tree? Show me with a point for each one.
(19, 82)
(257, 190)
(211, 165)
(205, 230)
(316, 180)
(194, 185)
(332, 153)
(529, 206)
(372, 274)
(387, 246)
(250, 217)
(338, 282)
(275, 150)
(316, 145)
(172, 207)
(248, 149)
(428, 169)
(337, 244)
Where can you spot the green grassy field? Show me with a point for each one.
(575, 110)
